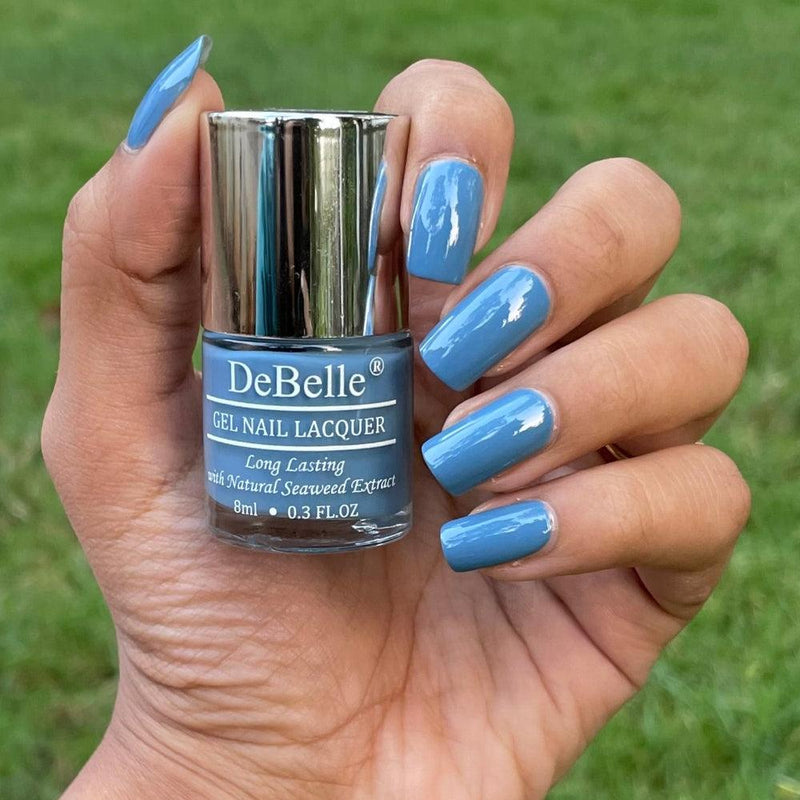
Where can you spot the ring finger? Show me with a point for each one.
(657, 369)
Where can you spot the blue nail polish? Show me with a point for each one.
(497, 536)
(375, 216)
(444, 220)
(171, 83)
(489, 440)
(307, 373)
(486, 325)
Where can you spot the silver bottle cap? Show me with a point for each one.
(300, 217)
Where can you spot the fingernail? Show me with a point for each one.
(489, 440)
(444, 220)
(486, 326)
(497, 536)
(171, 83)
(375, 216)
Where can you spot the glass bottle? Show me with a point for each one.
(307, 358)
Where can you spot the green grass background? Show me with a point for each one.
(705, 92)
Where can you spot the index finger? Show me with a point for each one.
(456, 166)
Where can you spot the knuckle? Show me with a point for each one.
(74, 221)
(83, 223)
(648, 183)
(620, 379)
(591, 236)
(497, 112)
(643, 184)
(109, 227)
(648, 189)
(620, 196)
(632, 511)
(606, 236)
(723, 334)
(80, 208)
(447, 84)
(732, 495)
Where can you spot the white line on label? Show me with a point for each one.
(298, 449)
(261, 407)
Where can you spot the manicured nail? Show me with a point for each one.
(496, 536)
(171, 83)
(489, 440)
(444, 220)
(375, 216)
(486, 326)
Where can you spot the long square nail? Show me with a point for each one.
(444, 221)
(487, 441)
(496, 536)
(486, 326)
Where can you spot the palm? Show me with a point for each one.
(385, 652)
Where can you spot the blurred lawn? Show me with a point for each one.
(705, 92)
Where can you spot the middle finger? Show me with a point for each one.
(589, 255)
(653, 370)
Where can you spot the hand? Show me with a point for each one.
(384, 673)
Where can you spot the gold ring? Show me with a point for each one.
(612, 452)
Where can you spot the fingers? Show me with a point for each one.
(673, 361)
(589, 255)
(130, 283)
(677, 510)
(456, 167)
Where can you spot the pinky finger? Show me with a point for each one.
(668, 513)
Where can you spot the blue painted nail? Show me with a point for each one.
(497, 536)
(375, 216)
(444, 221)
(489, 440)
(486, 325)
(171, 83)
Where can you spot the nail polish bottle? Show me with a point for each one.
(307, 357)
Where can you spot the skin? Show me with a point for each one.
(382, 674)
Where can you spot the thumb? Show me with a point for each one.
(131, 290)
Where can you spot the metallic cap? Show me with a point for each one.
(301, 231)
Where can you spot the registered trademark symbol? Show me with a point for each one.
(376, 366)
